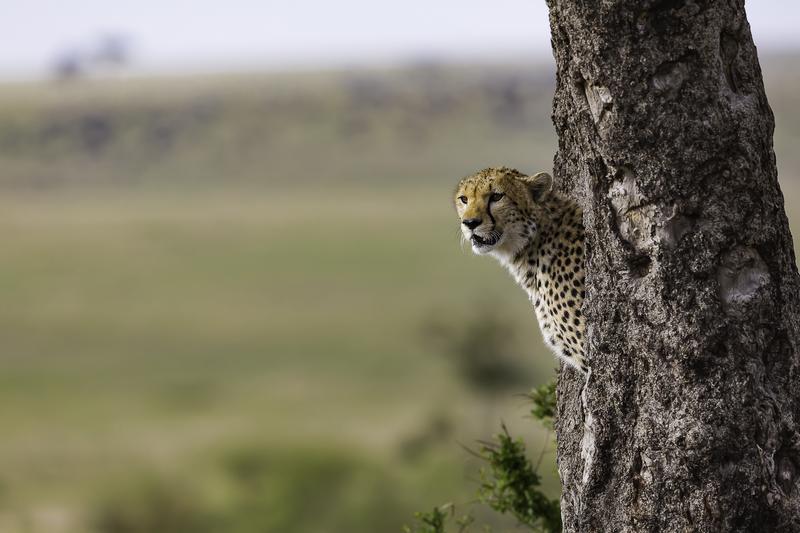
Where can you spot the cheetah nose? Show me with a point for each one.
(472, 223)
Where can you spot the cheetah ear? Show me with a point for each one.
(539, 184)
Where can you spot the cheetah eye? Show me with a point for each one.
(496, 196)
(463, 199)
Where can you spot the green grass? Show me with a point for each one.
(143, 331)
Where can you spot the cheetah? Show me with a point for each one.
(537, 234)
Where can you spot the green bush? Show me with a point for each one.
(510, 483)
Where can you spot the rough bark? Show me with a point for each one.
(689, 420)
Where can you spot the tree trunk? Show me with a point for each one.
(689, 419)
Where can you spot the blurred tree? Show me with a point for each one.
(109, 52)
(689, 421)
(68, 65)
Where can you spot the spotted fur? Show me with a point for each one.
(537, 234)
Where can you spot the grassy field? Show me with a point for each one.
(159, 334)
(219, 295)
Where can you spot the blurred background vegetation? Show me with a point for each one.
(240, 303)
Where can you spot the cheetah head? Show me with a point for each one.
(499, 209)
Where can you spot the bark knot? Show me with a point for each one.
(669, 78)
(741, 274)
(599, 100)
(631, 210)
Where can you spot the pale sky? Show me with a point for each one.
(183, 35)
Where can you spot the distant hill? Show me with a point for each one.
(424, 122)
